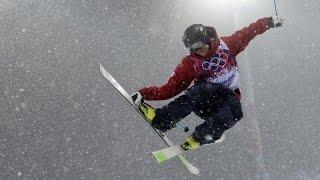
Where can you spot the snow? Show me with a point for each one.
(60, 119)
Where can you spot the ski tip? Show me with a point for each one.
(101, 67)
(194, 170)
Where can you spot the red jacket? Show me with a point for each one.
(188, 70)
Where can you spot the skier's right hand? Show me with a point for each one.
(276, 21)
(137, 98)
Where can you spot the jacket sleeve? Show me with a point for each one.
(182, 77)
(238, 41)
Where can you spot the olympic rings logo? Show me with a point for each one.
(216, 63)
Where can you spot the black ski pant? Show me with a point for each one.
(217, 105)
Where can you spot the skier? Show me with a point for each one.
(209, 75)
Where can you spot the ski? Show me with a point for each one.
(124, 93)
(165, 154)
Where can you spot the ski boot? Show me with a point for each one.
(190, 143)
(193, 143)
(148, 111)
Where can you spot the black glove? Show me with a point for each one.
(276, 21)
(137, 98)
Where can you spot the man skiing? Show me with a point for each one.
(212, 71)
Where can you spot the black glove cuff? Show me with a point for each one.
(270, 22)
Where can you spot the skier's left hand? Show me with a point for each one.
(137, 98)
(277, 21)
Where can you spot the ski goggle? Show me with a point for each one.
(198, 45)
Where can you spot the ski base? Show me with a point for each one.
(168, 153)
(162, 156)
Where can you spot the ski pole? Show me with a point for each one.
(275, 7)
